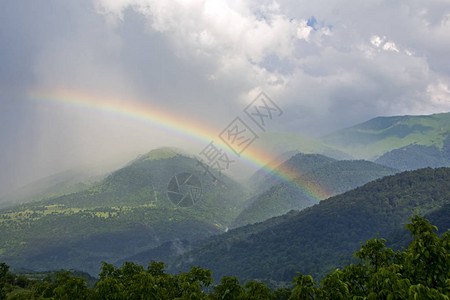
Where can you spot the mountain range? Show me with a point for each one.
(386, 139)
(400, 142)
(341, 188)
(323, 237)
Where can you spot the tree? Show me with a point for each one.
(334, 286)
(191, 284)
(228, 289)
(65, 286)
(131, 281)
(427, 260)
(3, 273)
(422, 271)
(305, 287)
(257, 290)
(375, 254)
(281, 294)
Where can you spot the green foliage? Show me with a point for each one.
(125, 214)
(3, 272)
(281, 294)
(380, 135)
(417, 156)
(13, 286)
(297, 164)
(228, 289)
(428, 258)
(422, 271)
(255, 290)
(334, 286)
(323, 237)
(317, 177)
(375, 253)
(384, 274)
(305, 287)
(132, 281)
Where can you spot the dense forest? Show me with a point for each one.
(323, 237)
(421, 271)
(321, 175)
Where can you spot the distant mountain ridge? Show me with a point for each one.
(297, 164)
(402, 142)
(318, 177)
(376, 137)
(415, 156)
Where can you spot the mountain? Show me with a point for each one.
(136, 208)
(417, 156)
(400, 142)
(318, 177)
(295, 165)
(413, 136)
(320, 238)
(59, 184)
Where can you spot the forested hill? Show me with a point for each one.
(419, 137)
(380, 273)
(418, 156)
(318, 173)
(126, 213)
(298, 164)
(323, 237)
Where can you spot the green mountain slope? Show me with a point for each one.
(323, 177)
(128, 212)
(297, 163)
(373, 138)
(320, 238)
(63, 183)
(417, 156)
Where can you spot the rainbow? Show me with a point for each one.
(134, 111)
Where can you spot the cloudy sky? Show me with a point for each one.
(327, 64)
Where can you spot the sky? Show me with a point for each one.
(326, 64)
